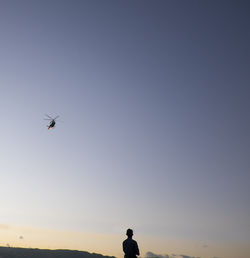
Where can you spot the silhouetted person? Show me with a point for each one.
(130, 247)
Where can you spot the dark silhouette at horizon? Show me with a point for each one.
(19, 252)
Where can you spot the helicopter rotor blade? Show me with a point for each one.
(49, 116)
(47, 119)
(55, 117)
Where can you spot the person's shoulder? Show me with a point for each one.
(125, 241)
(132, 241)
(128, 240)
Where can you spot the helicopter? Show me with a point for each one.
(52, 121)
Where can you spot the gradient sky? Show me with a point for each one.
(153, 98)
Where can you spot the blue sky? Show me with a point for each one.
(153, 99)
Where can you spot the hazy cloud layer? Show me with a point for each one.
(153, 255)
(4, 226)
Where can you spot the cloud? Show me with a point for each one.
(4, 226)
(153, 255)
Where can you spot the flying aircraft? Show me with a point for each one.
(52, 121)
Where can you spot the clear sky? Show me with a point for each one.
(153, 98)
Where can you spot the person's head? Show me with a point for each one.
(129, 232)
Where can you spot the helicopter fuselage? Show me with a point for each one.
(52, 124)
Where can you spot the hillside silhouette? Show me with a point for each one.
(14, 252)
